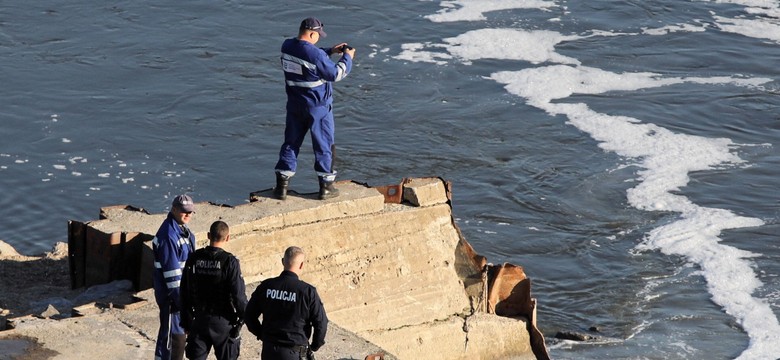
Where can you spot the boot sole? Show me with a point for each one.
(328, 196)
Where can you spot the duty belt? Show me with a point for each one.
(299, 348)
(211, 310)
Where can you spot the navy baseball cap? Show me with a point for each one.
(183, 203)
(312, 23)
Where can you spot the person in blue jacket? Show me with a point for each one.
(309, 75)
(172, 245)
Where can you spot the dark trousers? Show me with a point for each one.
(208, 331)
(276, 352)
(169, 327)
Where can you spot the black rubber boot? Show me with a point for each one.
(178, 341)
(327, 190)
(282, 182)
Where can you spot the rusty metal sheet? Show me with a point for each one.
(509, 292)
(393, 193)
(98, 256)
(129, 265)
(509, 295)
(146, 263)
(77, 253)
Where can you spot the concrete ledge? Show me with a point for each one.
(263, 214)
(425, 192)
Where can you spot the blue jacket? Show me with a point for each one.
(309, 73)
(172, 246)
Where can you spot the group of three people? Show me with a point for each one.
(201, 293)
(202, 297)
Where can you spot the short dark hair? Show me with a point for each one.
(219, 231)
(290, 255)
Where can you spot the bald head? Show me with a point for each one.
(293, 259)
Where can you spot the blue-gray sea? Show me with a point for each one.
(625, 153)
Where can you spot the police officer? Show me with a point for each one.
(290, 309)
(309, 75)
(213, 299)
(171, 246)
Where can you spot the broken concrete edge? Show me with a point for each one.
(423, 192)
(472, 263)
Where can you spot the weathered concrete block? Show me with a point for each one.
(425, 192)
(496, 337)
(479, 336)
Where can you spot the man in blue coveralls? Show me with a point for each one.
(172, 245)
(309, 75)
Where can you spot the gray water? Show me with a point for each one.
(135, 102)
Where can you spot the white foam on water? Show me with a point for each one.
(765, 24)
(76, 159)
(474, 10)
(414, 52)
(751, 28)
(509, 44)
(665, 157)
(674, 28)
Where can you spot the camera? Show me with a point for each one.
(345, 47)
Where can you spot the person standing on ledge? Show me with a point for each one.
(309, 75)
(291, 308)
(172, 245)
(213, 299)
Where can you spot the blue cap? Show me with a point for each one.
(184, 203)
(312, 23)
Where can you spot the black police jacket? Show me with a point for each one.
(291, 308)
(212, 285)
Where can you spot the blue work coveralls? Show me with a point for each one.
(172, 245)
(309, 75)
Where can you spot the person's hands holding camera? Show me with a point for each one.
(344, 48)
